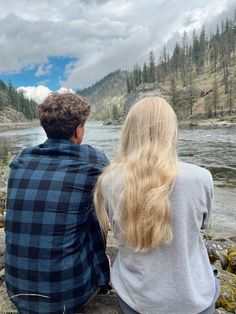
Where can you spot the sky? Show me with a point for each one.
(49, 44)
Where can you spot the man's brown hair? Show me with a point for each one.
(60, 114)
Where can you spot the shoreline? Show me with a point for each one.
(18, 125)
(208, 123)
(194, 123)
(227, 121)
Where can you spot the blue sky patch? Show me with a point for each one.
(49, 74)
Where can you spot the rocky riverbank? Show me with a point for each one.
(18, 125)
(229, 121)
(12, 119)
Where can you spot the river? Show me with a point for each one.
(214, 149)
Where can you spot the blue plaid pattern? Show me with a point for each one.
(54, 247)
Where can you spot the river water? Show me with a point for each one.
(214, 149)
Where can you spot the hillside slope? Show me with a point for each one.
(106, 97)
(198, 78)
(14, 106)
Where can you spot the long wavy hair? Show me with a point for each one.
(148, 161)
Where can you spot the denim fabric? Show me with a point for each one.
(211, 308)
(126, 308)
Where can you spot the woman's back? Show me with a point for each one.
(157, 207)
(174, 278)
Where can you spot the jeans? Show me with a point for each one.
(211, 308)
(126, 308)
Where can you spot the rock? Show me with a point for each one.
(3, 179)
(107, 122)
(222, 254)
(113, 122)
(220, 311)
(142, 91)
(3, 201)
(111, 247)
(233, 239)
(227, 298)
(217, 265)
(2, 264)
(2, 248)
(6, 306)
(2, 221)
(219, 250)
(9, 114)
(232, 260)
(2, 273)
(192, 124)
(103, 304)
(112, 252)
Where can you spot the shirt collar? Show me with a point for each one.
(51, 141)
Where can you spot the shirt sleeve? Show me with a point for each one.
(209, 203)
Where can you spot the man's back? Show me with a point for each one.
(54, 247)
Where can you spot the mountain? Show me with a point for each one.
(198, 78)
(107, 96)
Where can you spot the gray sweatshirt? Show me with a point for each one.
(172, 279)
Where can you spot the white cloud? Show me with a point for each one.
(40, 92)
(64, 90)
(102, 34)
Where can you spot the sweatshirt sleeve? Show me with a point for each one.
(209, 188)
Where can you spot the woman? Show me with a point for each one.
(157, 207)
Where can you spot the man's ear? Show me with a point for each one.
(78, 135)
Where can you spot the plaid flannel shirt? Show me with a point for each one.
(55, 254)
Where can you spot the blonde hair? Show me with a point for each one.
(148, 160)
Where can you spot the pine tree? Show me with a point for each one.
(137, 75)
(145, 73)
(208, 105)
(184, 58)
(231, 94)
(215, 96)
(128, 84)
(176, 60)
(115, 112)
(151, 68)
(191, 94)
(174, 94)
(203, 47)
(196, 53)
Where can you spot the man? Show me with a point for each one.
(55, 252)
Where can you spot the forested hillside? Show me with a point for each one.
(198, 77)
(9, 97)
(107, 96)
(200, 74)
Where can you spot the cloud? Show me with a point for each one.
(103, 35)
(43, 69)
(64, 90)
(40, 92)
